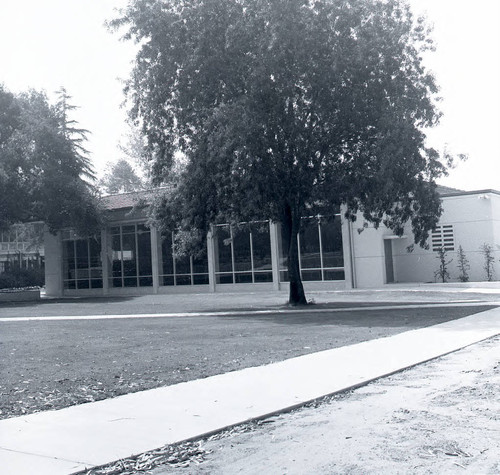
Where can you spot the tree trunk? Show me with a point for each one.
(292, 227)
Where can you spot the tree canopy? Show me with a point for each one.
(286, 108)
(45, 174)
(120, 177)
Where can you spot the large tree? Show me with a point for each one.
(120, 177)
(45, 173)
(286, 108)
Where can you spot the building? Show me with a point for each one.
(129, 258)
(21, 247)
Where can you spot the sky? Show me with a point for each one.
(52, 43)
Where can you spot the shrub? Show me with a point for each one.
(487, 252)
(463, 265)
(16, 278)
(442, 272)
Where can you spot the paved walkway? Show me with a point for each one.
(71, 439)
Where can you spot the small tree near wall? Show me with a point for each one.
(487, 252)
(442, 273)
(463, 265)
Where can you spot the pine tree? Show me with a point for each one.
(45, 174)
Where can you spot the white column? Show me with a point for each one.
(211, 255)
(104, 261)
(155, 259)
(348, 252)
(53, 251)
(275, 257)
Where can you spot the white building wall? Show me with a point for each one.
(475, 218)
(368, 252)
(476, 221)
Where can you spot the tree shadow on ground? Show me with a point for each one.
(396, 317)
(66, 300)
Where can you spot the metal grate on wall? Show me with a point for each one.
(442, 237)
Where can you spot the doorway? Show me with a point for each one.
(389, 264)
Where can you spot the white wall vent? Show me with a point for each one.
(442, 236)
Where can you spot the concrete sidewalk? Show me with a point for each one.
(71, 439)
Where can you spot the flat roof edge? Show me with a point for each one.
(474, 192)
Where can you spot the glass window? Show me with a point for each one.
(128, 229)
(69, 264)
(116, 261)
(241, 248)
(261, 247)
(182, 270)
(144, 256)
(249, 248)
(309, 244)
(182, 265)
(200, 263)
(82, 267)
(131, 256)
(224, 261)
(321, 252)
(166, 252)
(331, 240)
(95, 258)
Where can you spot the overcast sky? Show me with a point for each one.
(46, 44)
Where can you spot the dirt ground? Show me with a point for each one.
(46, 365)
(440, 417)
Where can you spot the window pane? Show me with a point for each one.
(241, 246)
(168, 280)
(96, 283)
(82, 254)
(200, 263)
(182, 279)
(331, 241)
(224, 262)
(200, 279)
(82, 273)
(128, 229)
(263, 277)
(83, 284)
(145, 281)
(224, 278)
(244, 278)
(182, 265)
(95, 252)
(311, 275)
(70, 284)
(144, 251)
(130, 282)
(128, 255)
(284, 244)
(166, 252)
(334, 275)
(261, 243)
(116, 261)
(309, 244)
(69, 259)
